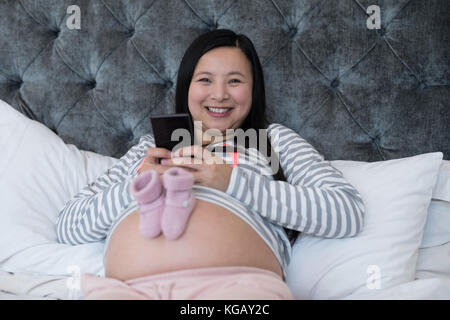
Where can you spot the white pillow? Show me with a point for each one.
(437, 227)
(39, 173)
(441, 190)
(396, 194)
(434, 262)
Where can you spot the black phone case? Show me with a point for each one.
(164, 125)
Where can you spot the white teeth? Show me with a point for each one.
(218, 110)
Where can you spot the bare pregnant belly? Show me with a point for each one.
(213, 237)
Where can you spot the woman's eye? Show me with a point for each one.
(235, 81)
(204, 80)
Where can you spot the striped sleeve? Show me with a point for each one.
(88, 216)
(315, 198)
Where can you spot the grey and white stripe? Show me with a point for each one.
(88, 216)
(326, 205)
(315, 198)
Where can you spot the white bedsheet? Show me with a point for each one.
(419, 289)
(433, 282)
(32, 287)
(28, 286)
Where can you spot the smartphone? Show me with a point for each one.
(166, 134)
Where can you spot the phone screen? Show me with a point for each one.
(164, 127)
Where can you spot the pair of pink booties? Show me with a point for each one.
(164, 204)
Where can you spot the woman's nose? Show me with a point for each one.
(219, 92)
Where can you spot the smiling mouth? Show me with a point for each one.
(219, 110)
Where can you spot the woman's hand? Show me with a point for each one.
(208, 169)
(151, 160)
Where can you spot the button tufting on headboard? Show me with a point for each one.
(129, 136)
(56, 33)
(334, 83)
(213, 26)
(328, 75)
(168, 84)
(18, 83)
(376, 140)
(91, 84)
(382, 31)
(292, 33)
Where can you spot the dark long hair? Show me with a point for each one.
(256, 119)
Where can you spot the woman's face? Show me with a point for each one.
(220, 93)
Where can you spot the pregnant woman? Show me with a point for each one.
(235, 244)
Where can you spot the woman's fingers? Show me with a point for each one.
(194, 150)
(153, 154)
(198, 155)
(150, 166)
(186, 162)
(203, 165)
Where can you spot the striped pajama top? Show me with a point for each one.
(315, 198)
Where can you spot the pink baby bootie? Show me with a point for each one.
(148, 191)
(179, 201)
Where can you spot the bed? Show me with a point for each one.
(365, 82)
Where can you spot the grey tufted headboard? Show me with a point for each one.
(353, 92)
